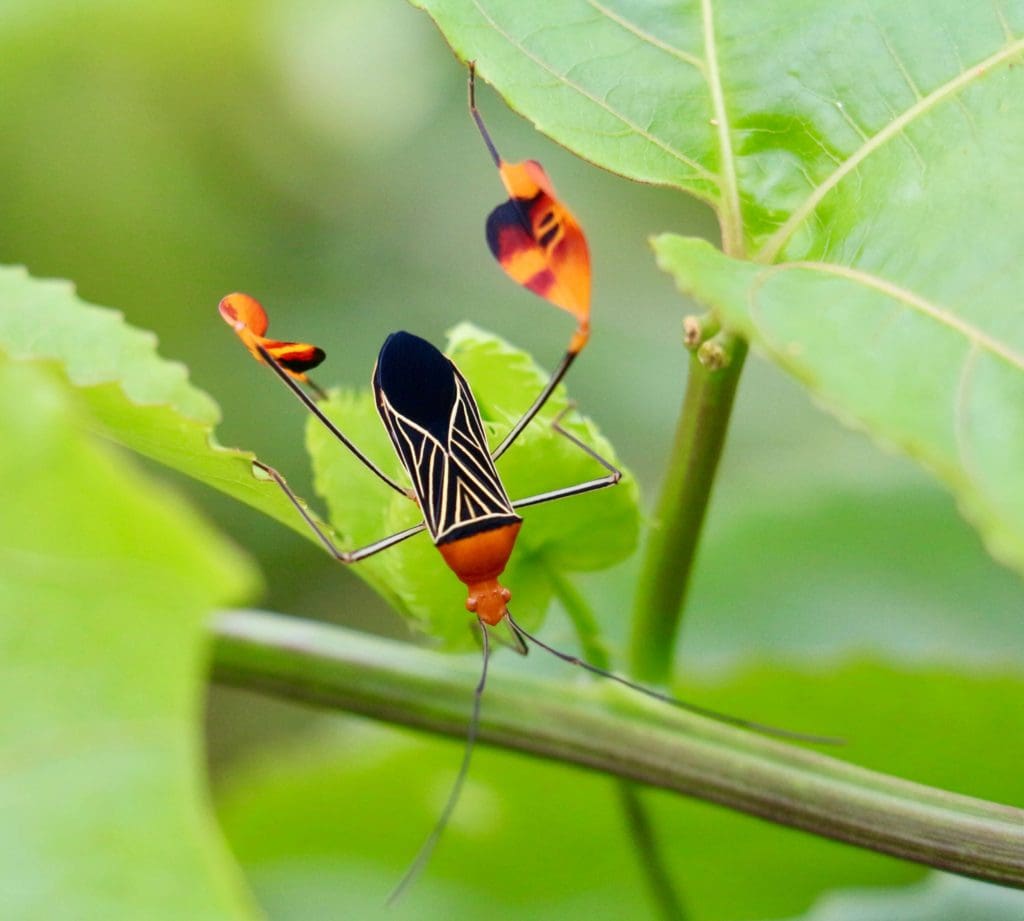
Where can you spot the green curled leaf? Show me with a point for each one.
(910, 371)
(585, 532)
(106, 582)
(134, 396)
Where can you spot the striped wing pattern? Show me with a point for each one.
(459, 490)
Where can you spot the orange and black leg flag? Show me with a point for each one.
(535, 238)
(246, 316)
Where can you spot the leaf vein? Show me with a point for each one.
(948, 90)
(896, 59)
(647, 37)
(936, 312)
(1001, 16)
(732, 213)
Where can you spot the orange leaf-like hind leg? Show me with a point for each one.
(540, 245)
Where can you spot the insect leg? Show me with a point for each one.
(478, 118)
(537, 405)
(565, 278)
(428, 846)
(520, 645)
(762, 728)
(516, 643)
(310, 404)
(342, 556)
(610, 479)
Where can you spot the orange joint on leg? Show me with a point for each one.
(580, 338)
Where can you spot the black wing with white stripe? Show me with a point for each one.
(434, 423)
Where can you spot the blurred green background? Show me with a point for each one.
(319, 156)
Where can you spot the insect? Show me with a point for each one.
(432, 418)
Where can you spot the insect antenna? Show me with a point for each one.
(427, 848)
(762, 728)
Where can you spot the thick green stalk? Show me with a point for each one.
(608, 730)
(679, 514)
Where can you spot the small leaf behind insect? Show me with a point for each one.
(580, 533)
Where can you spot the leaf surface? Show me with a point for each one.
(908, 371)
(937, 898)
(866, 152)
(135, 397)
(586, 532)
(105, 585)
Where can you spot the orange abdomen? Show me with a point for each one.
(483, 556)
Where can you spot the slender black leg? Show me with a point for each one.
(520, 646)
(516, 644)
(310, 404)
(318, 391)
(613, 476)
(342, 556)
(495, 156)
(421, 858)
(762, 728)
(537, 405)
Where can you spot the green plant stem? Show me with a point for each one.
(609, 730)
(588, 631)
(648, 852)
(679, 514)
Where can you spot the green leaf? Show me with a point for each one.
(134, 396)
(627, 89)
(870, 150)
(105, 585)
(585, 532)
(952, 401)
(343, 835)
(806, 123)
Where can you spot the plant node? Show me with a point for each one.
(697, 329)
(714, 354)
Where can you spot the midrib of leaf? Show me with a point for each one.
(771, 249)
(910, 299)
(730, 217)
